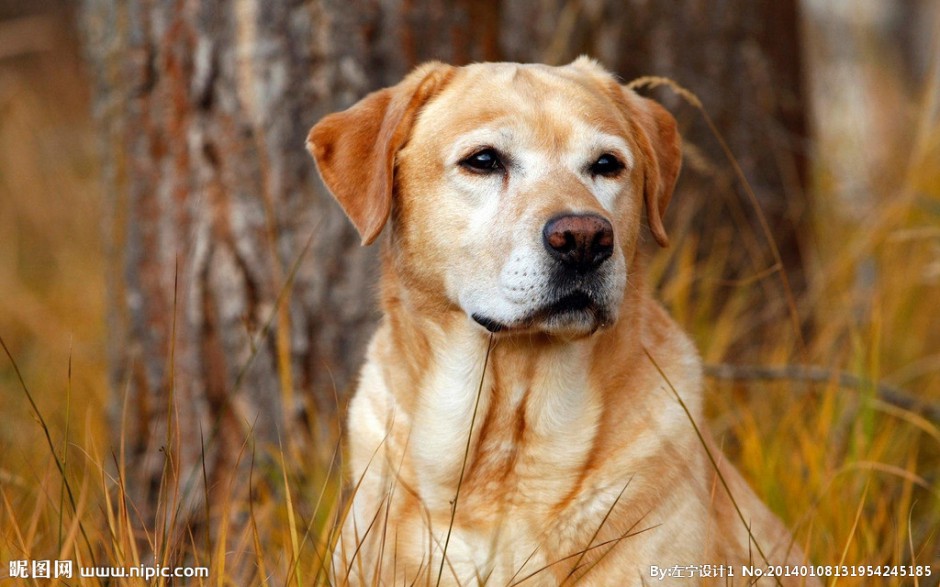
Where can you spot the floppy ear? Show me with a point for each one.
(355, 149)
(662, 151)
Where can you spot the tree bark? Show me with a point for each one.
(240, 299)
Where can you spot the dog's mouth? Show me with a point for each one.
(577, 310)
(574, 302)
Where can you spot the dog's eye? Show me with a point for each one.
(606, 165)
(483, 161)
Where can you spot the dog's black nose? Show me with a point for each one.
(580, 241)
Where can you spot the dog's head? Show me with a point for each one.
(516, 191)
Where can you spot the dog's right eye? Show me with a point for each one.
(483, 161)
(607, 166)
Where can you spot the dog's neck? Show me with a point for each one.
(477, 394)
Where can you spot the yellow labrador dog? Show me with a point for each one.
(515, 419)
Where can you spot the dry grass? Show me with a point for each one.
(856, 476)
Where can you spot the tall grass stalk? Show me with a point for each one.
(466, 455)
(51, 445)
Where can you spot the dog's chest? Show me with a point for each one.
(515, 439)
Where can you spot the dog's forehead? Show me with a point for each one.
(532, 94)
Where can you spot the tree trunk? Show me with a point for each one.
(240, 299)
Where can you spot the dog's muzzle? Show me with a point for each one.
(576, 294)
(579, 245)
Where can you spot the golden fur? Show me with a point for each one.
(553, 449)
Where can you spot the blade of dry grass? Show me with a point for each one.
(466, 456)
(50, 444)
(205, 489)
(253, 523)
(341, 519)
(711, 457)
(65, 445)
(849, 538)
(322, 563)
(612, 542)
(597, 531)
(694, 101)
(296, 571)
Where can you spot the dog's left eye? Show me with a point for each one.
(483, 161)
(606, 165)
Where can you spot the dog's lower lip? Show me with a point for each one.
(488, 323)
